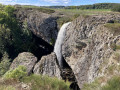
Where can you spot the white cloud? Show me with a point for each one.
(58, 1)
(38, 2)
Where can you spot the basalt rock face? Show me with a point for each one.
(24, 59)
(41, 24)
(88, 44)
(48, 65)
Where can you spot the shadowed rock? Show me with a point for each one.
(25, 59)
(48, 65)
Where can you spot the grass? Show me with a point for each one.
(3, 87)
(41, 9)
(117, 57)
(72, 12)
(113, 27)
(111, 69)
(46, 83)
(112, 84)
(35, 82)
(92, 86)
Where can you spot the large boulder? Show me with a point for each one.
(24, 59)
(88, 44)
(48, 65)
(41, 24)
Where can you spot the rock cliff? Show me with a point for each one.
(41, 24)
(25, 59)
(48, 65)
(88, 45)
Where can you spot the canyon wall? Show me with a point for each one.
(90, 41)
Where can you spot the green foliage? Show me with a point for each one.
(113, 27)
(41, 9)
(63, 20)
(4, 87)
(94, 6)
(46, 83)
(117, 57)
(116, 8)
(9, 9)
(92, 86)
(4, 64)
(17, 73)
(76, 15)
(112, 84)
(5, 39)
(13, 38)
(52, 42)
(111, 69)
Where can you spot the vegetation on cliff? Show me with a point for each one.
(34, 82)
(13, 38)
(112, 84)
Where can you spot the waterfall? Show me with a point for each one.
(58, 44)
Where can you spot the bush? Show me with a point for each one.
(113, 27)
(63, 20)
(4, 65)
(46, 83)
(76, 16)
(116, 8)
(9, 9)
(92, 86)
(113, 84)
(6, 87)
(13, 38)
(17, 73)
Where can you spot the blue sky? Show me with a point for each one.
(56, 2)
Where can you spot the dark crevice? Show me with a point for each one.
(68, 75)
(43, 48)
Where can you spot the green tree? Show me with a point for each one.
(9, 9)
(116, 8)
(17, 73)
(13, 38)
(5, 63)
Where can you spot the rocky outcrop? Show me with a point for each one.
(89, 42)
(41, 24)
(25, 59)
(48, 65)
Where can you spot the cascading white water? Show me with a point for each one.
(58, 44)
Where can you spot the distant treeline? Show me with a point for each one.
(95, 6)
(56, 7)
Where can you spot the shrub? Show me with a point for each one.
(63, 20)
(13, 38)
(45, 83)
(6, 87)
(17, 73)
(4, 65)
(92, 86)
(76, 15)
(116, 8)
(113, 27)
(112, 84)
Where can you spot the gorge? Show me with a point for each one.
(86, 49)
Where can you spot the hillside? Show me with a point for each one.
(95, 6)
